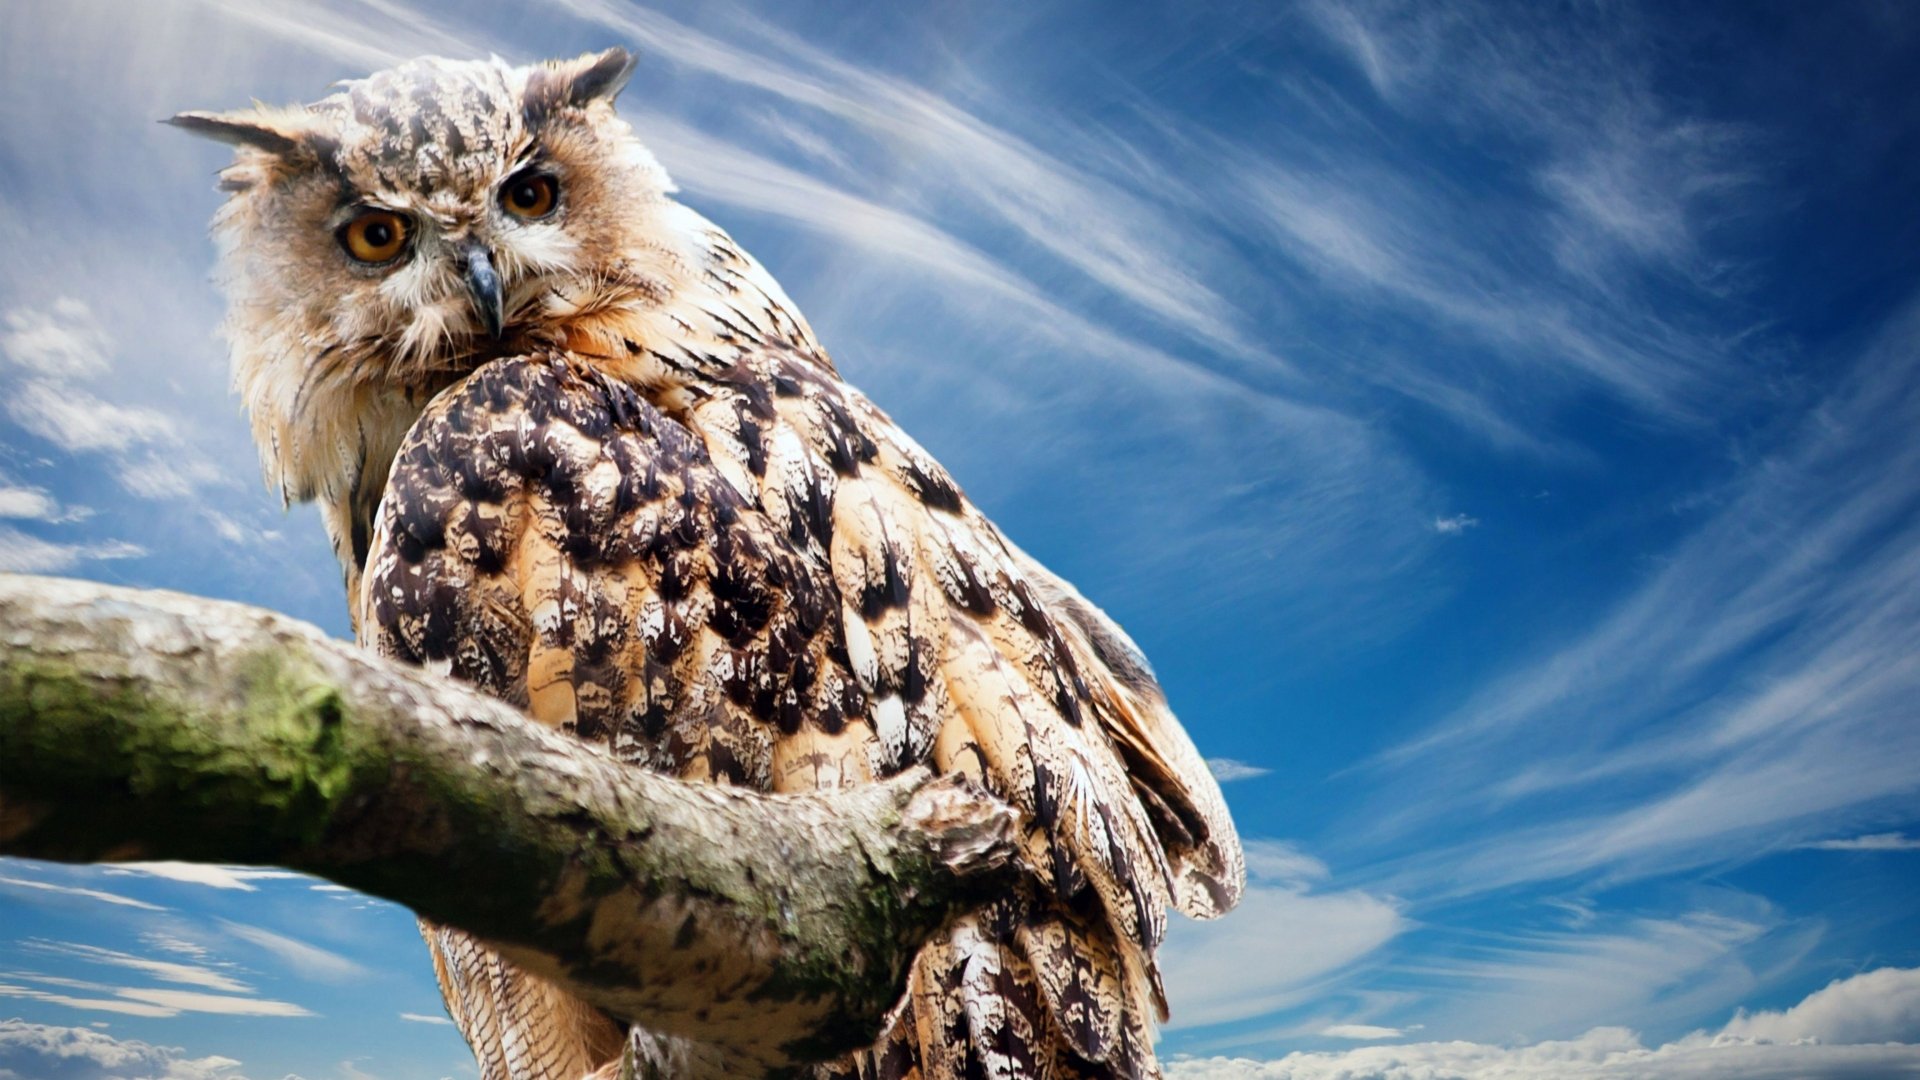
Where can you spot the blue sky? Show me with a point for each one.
(1500, 424)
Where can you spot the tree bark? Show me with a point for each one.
(779, 929)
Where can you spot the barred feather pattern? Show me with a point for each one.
(672, 529)
(536, 1031)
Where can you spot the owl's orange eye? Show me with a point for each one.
(376, 236)
(530, 195)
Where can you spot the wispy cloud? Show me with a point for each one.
(1360, 1032)
(1754, 688)
(423, 1018)
(60, 343)
(1886, 841)
(238, 878)
(179, 1001)
(90, 1004)
(1454, 524)
(74, 890)
(230, 996)
(54, 350)
(306, 959)
(1614, 156)
(1542, 984)
(58, 353)
(1227, 770)
(175, 944)
(164, 970)
(1276, 946)
(148, 1001)
(1608, 275)
(21, 553)
(1117, 239)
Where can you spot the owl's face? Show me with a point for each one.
(383, 241)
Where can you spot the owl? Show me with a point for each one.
(574, 446)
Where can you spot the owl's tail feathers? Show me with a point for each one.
(520, 1026)
(1016, 992)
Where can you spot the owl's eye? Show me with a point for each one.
(376, 236)
(530, 195)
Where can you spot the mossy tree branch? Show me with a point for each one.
(151, 725)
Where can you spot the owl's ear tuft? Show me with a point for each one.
(602, 76)
(581, 81)
(246, 128)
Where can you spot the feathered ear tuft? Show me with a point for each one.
(581, 81)
(246, 128)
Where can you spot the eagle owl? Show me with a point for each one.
(574, 446)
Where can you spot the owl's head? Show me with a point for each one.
(383, 241)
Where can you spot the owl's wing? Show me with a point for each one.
(774, 587)
(549, 537)
(973, 658)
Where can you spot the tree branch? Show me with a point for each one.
(151, 725)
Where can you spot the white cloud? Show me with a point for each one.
(72, 890)
(21, 553)
(239, 878)
(1227, 770)
(165, 970)
(234, 531)
(308, 960)
(62, 342)
(167, 474)
(1886, 841)
(57, 351)
(1601, 1054)
(43, 1052)
(178, 945)
(145, 1001)
(423, 1018)
(1861, 1028)
(1877, 1006)
(27, 504)
(55, 348)
(1268, 953)
(234, 998)
(1276, 862)
(77, 420)
(1361, 1032)
(179, 1001)
(90, 1004)
(1454, 524)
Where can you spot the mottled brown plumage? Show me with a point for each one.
(651, 512)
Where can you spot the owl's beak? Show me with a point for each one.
(484, 284)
